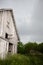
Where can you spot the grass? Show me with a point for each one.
(19, 59)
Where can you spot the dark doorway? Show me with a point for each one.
(10, 50)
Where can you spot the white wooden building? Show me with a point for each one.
(8, 33)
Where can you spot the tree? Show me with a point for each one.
(40, 47)
(20, 48)
(30, 46)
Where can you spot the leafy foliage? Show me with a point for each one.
(20, 48)
(30, 47)
(40, 47)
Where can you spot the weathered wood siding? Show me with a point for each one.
(7, 26)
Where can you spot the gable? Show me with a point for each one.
(10, 27)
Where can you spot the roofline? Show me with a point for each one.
(15, 25)
(9, 9)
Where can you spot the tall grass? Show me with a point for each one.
(15, 60)
(18, 59)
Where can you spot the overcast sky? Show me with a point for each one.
(29, 18)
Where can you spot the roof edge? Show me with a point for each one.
(15, 26)
(6, 9)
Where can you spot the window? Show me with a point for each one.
(6, 35)
(10, 50)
